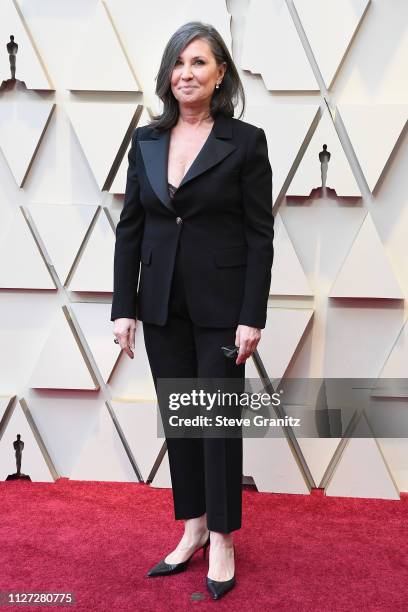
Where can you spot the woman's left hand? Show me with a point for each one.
(247, 339)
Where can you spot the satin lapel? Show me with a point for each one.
(213, 152)
(155, 157)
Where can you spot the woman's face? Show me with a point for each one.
(195, 74)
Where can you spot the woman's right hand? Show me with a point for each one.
(124, 330)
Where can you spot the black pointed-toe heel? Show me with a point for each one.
(165, 569)
(218, 588)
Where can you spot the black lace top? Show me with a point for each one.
(172, 189)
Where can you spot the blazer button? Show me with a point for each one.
(179, 220)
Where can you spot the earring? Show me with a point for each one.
(218, 85)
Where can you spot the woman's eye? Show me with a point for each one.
(199, 61)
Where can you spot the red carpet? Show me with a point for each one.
(293, 552)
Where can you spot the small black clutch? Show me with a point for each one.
(230, 351)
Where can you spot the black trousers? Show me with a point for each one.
(206, 473)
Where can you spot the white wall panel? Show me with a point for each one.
(29, 68)
(288, 277)
(286, 130)
(61, 364)
(272, 465)
(101, 456)
(99, 62)
(62, 229)
(94, 321)
(362, 470)
(386, 121)
(358, 337)
(396, 364)
(283, 331)
(119, 183)
(329, 27)
(23, 122)
(32, 460)
(318, 453)
(131, 378)
(21, 263)
(269, 29)
(94, 270)
(366, 272)
(101, 130)
(340, 176)
(139, 421)
(162, 478)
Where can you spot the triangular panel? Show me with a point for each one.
(330, 27)
(109, 122)
(318, 453)
(94, 320)
(162, 478)
(366, 272)
(94, 269)
(5, 401)
(102, 455)
(61, 364)
(395, 452)
(272, 48)
(386, 121)
(62, 229)
(100, 63)
(132, 378)
(309, 173)
(280, 338)
(22, 126)
(119, 183)
(138, 421)
(288, 276)
(28, 65)
(21, 263)
(32, 462)
(286, 130)
(272, 465)
(396, 364)
(362, 471)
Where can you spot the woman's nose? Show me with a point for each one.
(186, 72)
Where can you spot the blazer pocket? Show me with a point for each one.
(146, 254)
(231, 256)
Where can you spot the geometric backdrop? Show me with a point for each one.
(339, 289)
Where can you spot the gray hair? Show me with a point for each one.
(223, 100)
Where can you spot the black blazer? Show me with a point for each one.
(221, 215)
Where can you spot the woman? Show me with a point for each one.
(198, 216)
